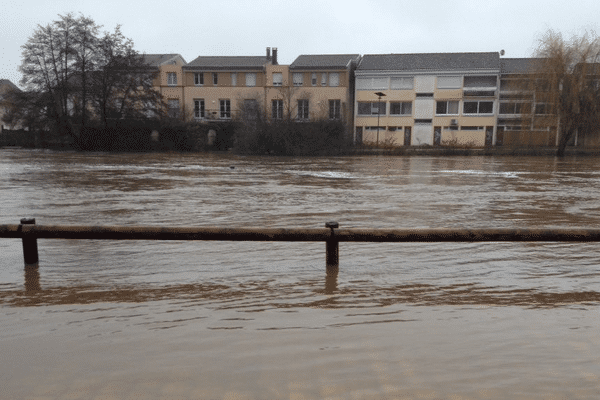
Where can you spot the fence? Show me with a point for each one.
(332, 235)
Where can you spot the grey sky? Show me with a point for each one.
(230, 27)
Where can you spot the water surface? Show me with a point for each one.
(262, 320)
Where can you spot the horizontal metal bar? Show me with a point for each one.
(300, 234)
(165, 233)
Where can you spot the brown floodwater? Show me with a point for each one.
(236, 320)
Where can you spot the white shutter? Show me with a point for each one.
(298, 79)
(449, 82)
(250, 79)
(334, 79)
(375, 83)
(401, 83)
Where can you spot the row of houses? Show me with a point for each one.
(461, 99)
(451, 99)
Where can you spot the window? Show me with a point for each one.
(173, 108)
(277, 79)
(334, 79)
(171, 78)
(365, 108)
(449, 82)
(447, 107)
(251, 109)
(402, 83)
(335, 109)
(298, 78)
(424, 95)
(376, 83)
(199, 111)
(478, 107)
(313, 79)
(324, 79)
(303, 110)
(215, 78)
(199, 79)
(401, 108)
(225, 108)
(277, 109)
(233, 79)
(250, 79)
(480, 81)
(541, 108)
(514, 108)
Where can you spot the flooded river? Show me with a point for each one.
(242, 320)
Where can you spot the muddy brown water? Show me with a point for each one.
(237, 320)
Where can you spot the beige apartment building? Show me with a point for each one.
(323, 86)
(220, 88)
(313, 86)
(427, 99)
(169, 78)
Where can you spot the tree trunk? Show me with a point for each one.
(562, 143)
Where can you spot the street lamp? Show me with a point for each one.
(379, 95)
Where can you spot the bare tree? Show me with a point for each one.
(81, 75)
(564, 85)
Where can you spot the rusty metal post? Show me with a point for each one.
(332, 259)
(30, 248)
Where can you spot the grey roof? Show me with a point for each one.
(156, 60)
(324, 61)
(7, 84)
(430, 61)
(517, 65)
(216, 62)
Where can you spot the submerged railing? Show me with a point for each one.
(332, 235)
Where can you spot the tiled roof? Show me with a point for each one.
(324, 61)
(156, 60)
(430, 61)
(215, 62)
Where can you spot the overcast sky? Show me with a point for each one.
(244, 27)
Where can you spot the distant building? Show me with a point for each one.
(522, 118)
(217, 87)
(313, 86)
(169, 79)
(6, 86)
(324, 86)
(427, 99)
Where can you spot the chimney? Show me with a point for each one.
(268, 54)
(274, 56)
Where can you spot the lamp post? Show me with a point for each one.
(379, 96)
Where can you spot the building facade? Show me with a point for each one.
(169, 79)
(221, 88)
(324, 86)
(427, 99)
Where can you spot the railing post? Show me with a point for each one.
(30, 248)
(332, 259)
